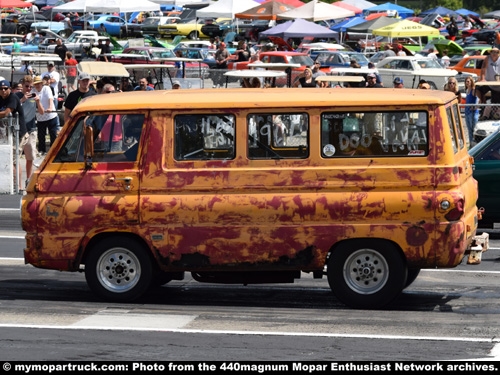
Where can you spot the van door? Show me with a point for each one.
(100, 193)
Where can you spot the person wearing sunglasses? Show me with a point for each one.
(10, 104)
(452, 86)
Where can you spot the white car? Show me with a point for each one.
(485, 128)
(412, 69)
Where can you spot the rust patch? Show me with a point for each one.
(416, 236)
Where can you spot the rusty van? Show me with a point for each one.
(365, 187)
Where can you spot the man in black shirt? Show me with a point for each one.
(10, 104)
(60, 50)
(74, 97)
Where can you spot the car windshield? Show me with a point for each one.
(300, 59)
(429, 63)
(359, 57)
(162, 54)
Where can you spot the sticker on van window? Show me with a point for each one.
(329, 150)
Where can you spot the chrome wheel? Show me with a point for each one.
(366, 271)
(118, 270)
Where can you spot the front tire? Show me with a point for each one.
(119, 269)
(366, 274)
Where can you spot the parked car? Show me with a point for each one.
(190, 28)
(116, 26)
(199, 53)
(340, 59)
(484, 128)
(486, 35)
(20, 23)
(150, 24)
(405, 67)
(470, 64)
(486, 156)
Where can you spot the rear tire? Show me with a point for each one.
(119, 269)
(193, 35)
(366, 274)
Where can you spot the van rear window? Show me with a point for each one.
(368, 134)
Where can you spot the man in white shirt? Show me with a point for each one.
(54, 83)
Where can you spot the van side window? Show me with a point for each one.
(368, 134)
(458, 123)
(204, 137)
(278, 135)
(454, 137)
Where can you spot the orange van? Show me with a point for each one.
(365, 187)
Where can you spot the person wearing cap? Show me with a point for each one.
(10, 104)
(388, 51)
(400, 52)
(398, 83)
(74, 97)
(372, 66)
(46, 115)
(490, 71)
(222, 56)
(54, 78)
(176, 85)
(371, 81)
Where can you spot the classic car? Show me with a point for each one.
(150, 24)
(30, 47)
(204, 54)
(470, 64)
(412, 69)
(486, 156)
(116, 26)
(20, 23)
(190, 28)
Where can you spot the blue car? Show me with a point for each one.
(116, 26)
(31, 47)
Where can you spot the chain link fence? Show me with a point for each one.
(9, 155)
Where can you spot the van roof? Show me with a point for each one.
(190, 99)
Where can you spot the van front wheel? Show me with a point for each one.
(118, 269)
(366, 274)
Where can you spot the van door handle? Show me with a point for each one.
(127, 180)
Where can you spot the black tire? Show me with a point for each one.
(366, 274)
(412, 276)
(22, 29)
(119, 269)
(193, 35)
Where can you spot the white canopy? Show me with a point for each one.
(225, 8)
(108, 6)
(317, 11)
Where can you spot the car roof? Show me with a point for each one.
(284, 53)
(147, 48)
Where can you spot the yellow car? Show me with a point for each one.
(190, 28)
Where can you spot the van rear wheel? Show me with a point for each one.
(119, 269)
(366, 274)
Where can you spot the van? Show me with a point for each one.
(363, 186)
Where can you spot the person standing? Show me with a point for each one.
(372, 81)
(46, 115)
(489, 72)
(445, 59)
(60, 50)
(76, 96)
(221, 58)
(452, 86)
(70, 64)
(388, 51)
(10, 104)
(452, 29)
(54, 77)
(306, 79)
(471, 112)
(30, 103)
(398, 83)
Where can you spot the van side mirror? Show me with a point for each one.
(88, 145)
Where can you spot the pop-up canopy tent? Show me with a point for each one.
(299, 28)
(225, 8)
(108, 6)
(406, 28)
(265, 11)
(402, 11)
(442, 11)
(317, 11)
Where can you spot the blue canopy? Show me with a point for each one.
(466, 12)
(442, 11)
(402, 11)
(342, 26)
